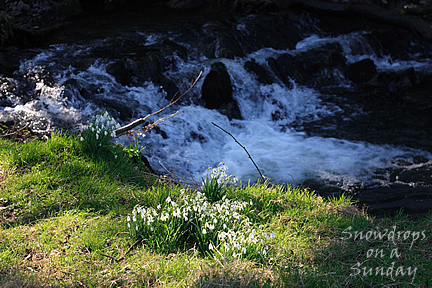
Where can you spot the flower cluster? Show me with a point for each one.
(103, 125)
(97, 136)
(220, 229)
(222, 177)
(216, 181)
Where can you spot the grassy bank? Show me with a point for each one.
(65, 208)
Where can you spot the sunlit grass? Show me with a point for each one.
(64, 223)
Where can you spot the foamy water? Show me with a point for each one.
(189, 143)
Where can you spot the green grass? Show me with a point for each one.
(63, 213)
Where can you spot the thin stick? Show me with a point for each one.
(130, 248)
(15, 131)
(244, 148)
(130, 126)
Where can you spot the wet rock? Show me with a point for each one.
(32, 22)
(361, 71)
(255, 6)
(280, 32)
(306, 67)
(386, 201)
(220, 40)
(217, 91)
(397, 81)
(146, 63)
(121, 71)
(186, 4)
(263, 75)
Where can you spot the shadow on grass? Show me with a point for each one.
(373, 253)
(55, 175)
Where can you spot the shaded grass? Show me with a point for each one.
(63, 225)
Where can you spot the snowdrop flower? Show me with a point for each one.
(244, 250)
(82, 139)
(105, 132)
(211, 246)
(204, 231)
(168, 200)
(272, 235)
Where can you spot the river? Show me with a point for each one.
(301, 131)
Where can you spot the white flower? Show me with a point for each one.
(204, 231)
(128, 225)
(244, 250)
(105, 132)
(82, 139)
(211, 246)
(128, 218)
(272, 235)
(168, 199)
(97, 136)
(134, 218)
(136, 228)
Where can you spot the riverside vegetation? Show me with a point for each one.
(83, 211)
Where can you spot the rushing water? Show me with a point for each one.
(187, 144)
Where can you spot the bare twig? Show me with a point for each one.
(108, 256)
(9, 134)
(130, 126)
(124, 255)
(244, 148)
(130, 248)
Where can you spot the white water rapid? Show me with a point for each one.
(187, 144)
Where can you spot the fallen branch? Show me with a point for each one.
(122, 130)
(244, 148)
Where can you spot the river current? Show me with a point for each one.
(187, 144)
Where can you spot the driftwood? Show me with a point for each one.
(127, 128)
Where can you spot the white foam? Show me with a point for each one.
(187, 144)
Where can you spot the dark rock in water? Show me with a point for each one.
(386, 201)
(280, 32)
(186, 4)
(361, 71)
(261, 72)
(306, 67)
(255, 6)
(121, 71)
(147, 64)
(397, 81)
(220, 40)
(217, 87)
(217, 91)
